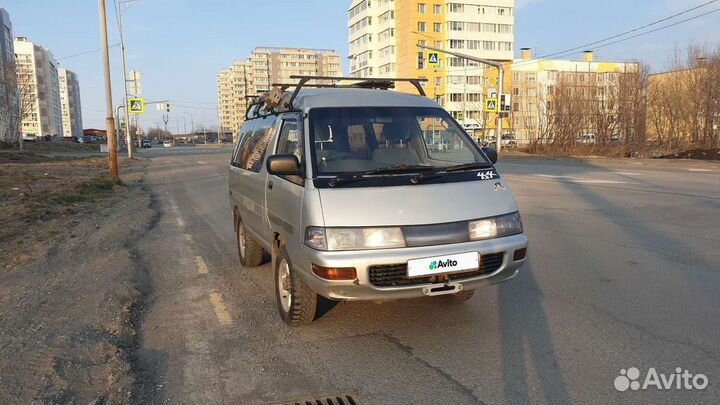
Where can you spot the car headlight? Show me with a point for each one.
(354, 238)
(497, 227)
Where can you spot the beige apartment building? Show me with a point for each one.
(534, 83)
(37, 73)
(233, 84)
(384, 34)
(265, 66)
(70, 103)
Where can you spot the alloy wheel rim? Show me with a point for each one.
(241, 240)
(284, 285)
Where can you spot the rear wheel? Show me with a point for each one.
(249, 250)
(296, 302)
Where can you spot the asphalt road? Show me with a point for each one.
(624, 271)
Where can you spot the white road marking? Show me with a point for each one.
(600, 181)
(580, 179)
(221, 311)
(555, 177)
(700, 170)
(628, 174)
(202, 267)
(200, 162)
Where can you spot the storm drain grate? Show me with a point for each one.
(329, 400)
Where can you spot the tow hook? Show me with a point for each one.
(442, 289)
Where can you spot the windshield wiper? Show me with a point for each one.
(443, 171)
(385, 170)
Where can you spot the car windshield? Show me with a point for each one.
(353, 140)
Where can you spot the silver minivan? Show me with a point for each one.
(356, 192)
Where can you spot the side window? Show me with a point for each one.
(257, 145)
(254, 139)
(290, 142)
(246, 131)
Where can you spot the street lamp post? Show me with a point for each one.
(128, 136)
(109, 118)
(501, 74)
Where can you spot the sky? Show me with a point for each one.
(179, 46)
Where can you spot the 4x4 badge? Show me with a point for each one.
(487, 175)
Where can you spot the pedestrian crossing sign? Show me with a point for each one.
(491, 105)
(136, 106)
(433, 58)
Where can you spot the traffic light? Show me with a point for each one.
(421, 60)
(167, 107)
(504, 103)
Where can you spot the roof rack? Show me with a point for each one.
(361, 82)
(271, 100)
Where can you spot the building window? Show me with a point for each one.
(456, 26)
(456, 7)
(437, 9)
(457, 44)
(437, 27)
(438, 81)
(421, 26)
(516, 77)
(515, 91)
(421, 8)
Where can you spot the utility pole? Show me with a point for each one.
(109, 119)
(501, 74)
(128, 136)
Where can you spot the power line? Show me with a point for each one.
(634, 29)
(575, 50)
(85, 53)
(659, 28)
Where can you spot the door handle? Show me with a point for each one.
(270, 185)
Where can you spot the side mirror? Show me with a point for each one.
(284, 165)
(491, 154)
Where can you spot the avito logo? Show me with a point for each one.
(442, 264)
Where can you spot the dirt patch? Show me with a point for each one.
(699, 154)
(70, 284)
(61, 146)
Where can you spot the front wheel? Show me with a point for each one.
(296, 302)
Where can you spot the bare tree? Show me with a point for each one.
(683, 104)
(9, 104)
(27, 96)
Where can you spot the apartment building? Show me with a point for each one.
(8, 90)
(383, 38)
(266, 66)
(276, 65)
(70, 103)
(233, 88)
(534, 84)
(37, 73)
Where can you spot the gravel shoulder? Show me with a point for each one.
(71, 286)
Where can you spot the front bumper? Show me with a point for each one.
(363, 289)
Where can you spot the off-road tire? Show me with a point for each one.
(253, 251)
(303, 300)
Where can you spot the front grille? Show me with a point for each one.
(395, 275)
